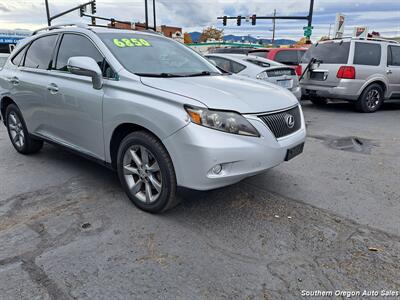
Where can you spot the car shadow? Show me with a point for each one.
(345, 106)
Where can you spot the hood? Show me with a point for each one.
(231, 92)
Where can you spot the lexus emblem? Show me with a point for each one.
(289, 120)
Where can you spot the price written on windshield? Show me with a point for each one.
(125, 42)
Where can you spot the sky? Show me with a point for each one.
(193, 15)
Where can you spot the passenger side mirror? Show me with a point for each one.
(86, 66)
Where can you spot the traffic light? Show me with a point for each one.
(239, 20)
(94, 8)
(253, 20)
(224, 20)
(82, 10)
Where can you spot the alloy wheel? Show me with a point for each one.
(142, 174)
(373, 99)
(16, 130)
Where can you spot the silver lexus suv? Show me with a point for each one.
(148, 107)
(366, 72)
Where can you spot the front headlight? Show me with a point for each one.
(226, 121)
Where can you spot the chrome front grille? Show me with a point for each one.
(283, 123)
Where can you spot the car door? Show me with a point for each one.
(27, 82)
(76, 107)
(393, 71)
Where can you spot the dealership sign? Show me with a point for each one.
(12, 36)
(361, 32)
(339, 25)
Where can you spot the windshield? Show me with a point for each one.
(151, 55)
(328, 53)
(2, 61)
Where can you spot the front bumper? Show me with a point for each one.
(195, 150)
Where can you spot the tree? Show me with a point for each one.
(187, 38)
(211, 33)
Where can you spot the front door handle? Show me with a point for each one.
(53, 89)
(14, 80)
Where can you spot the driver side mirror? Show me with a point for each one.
(86, 66)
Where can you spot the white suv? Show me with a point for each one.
(366, 72)
(148, 107)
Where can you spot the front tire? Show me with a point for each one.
(18, 133)
(371, 99)
(146, 172)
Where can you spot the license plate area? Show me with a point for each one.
(293, 152)
(286, 83)
(319, 76)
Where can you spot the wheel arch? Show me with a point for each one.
(119, 133)
(380, 82)
(4, 103)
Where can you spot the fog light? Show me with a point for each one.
(217, 169)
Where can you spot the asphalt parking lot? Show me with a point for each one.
(328, 220)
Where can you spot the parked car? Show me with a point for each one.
(232, 50)
(258, 68)
(364, 71)
(148, 107)
(287, 56)
(3, 59)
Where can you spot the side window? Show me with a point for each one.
(394, 56)
(222, 63)
(367, 54)
(236, 67)
(288, 57)
(17, 59)
(68, 48)
(40, 53)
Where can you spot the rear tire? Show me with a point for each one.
(18, 133)
(319, 101)
(371, 99)
(146, 172)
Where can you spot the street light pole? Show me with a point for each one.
(146, 9)
(154, 15)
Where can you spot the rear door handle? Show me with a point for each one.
(389, 72)
(53, 88)
(14, 80)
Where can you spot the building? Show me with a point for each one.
(9, 38)
(168, 31)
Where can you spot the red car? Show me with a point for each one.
(287, 56)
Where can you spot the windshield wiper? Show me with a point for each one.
(162, 75)
(204, 73)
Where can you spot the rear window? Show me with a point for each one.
(259, 63)
(288, 57)
(260, 53)
(328, 53)
(367, 54)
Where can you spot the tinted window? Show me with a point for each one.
(328, 53)
(236, 67)
(39, 54)
(260, 53)
(69, 48)
(393, 56)
(17, 59)
(367, 54)
(221, 63)
(288, 57)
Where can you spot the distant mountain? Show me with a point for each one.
(235, 38)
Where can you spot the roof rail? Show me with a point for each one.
(365, 39)
(59, 26)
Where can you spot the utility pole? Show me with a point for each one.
(154, 15)
(48, 12)
(146, 9)
(273, 27)
(330, 28)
